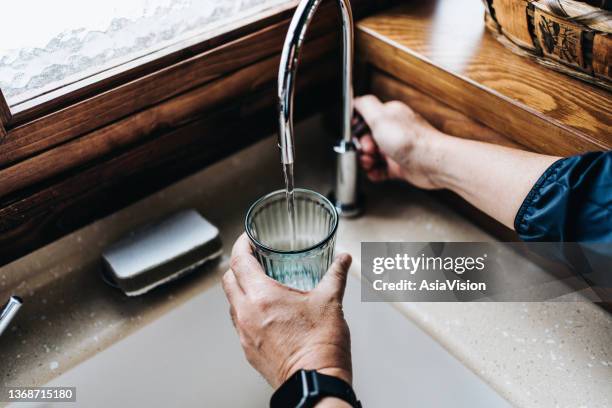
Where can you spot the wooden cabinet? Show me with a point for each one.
(441, 49)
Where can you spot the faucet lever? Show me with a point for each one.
(346, 194)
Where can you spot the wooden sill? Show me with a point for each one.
(442, 49)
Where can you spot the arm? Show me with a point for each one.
(283, 330)
(493, 178)
(403, 145)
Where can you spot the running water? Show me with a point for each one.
(289, 186)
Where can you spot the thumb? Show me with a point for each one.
(334, 281)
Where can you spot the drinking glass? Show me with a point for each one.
(269, 229)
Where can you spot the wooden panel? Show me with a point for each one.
(602, 55)
(512, 16)
(99, 110)
(470, 71)
(40, 215)
(438, 114)
(150, 122)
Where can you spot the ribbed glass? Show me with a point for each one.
(268, 227)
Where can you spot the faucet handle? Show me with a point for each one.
(356, 143)
(359, 127)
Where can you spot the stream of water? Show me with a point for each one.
(291, 214)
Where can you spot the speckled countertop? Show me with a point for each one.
(536, 354)
(533, 354)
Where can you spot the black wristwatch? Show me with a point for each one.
(306, 388)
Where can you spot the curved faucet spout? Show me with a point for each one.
(290, 59)
(346, 180)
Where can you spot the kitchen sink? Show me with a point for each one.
(191, 357)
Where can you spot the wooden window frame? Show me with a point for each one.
(76, 157)
(53, 100)
(46, 117)
(5, 116)
(79, 108)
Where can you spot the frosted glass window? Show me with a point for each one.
(45, 45)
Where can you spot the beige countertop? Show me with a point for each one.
(533, 354)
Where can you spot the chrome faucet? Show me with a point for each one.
(9, 311)
(345, 194)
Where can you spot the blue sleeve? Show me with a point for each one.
(571, 202)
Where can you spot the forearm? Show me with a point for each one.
(493, 178)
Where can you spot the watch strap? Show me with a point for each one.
(306, 388)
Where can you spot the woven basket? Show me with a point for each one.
(574, 37)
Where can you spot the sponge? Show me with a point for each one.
(161, 252)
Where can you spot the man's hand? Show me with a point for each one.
(283, 330)
(398, 147)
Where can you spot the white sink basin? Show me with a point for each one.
(191, 357)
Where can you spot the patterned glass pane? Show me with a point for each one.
(47, 44)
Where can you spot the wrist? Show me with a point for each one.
(341, 373)
(330, 360)
(428, 160)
